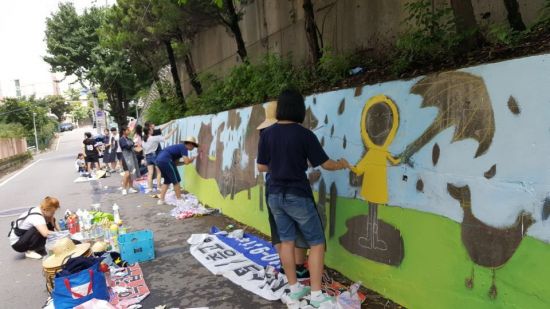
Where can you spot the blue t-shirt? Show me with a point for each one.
(286, 149)
(173, 153)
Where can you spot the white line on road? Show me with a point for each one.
(21, 171)
(58, 140)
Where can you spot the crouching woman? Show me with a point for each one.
(29, 232)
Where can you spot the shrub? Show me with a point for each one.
(503, 35)
(431, 35)
(333, 67)
(12, 130)
(245, 85)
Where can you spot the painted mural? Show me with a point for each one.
(448, 201)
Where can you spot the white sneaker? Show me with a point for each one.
(132, 190)
(161, 202)
(33, 255)
(124, 192)
(147, 191)
(324, 301)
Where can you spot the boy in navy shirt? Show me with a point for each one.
(168, 160)
(284, 150)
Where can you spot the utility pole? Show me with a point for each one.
(96, 110)
(35, 135)
(17, 88)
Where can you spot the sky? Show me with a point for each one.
(22, 46)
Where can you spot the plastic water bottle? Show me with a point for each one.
(116, 213)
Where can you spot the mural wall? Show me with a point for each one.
(448, 203)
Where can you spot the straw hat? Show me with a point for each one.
(192, 140)
(64, 249)
(100, 246)
(270, 115)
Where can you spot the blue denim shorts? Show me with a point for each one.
(151, 158)
(292, 213)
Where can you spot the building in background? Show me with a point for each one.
(55, 83)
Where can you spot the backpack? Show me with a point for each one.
(15, 224)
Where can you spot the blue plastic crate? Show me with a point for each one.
(137, 246)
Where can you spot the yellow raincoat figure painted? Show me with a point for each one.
(379, 123)
(373, 166)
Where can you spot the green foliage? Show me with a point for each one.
(72, 94)
(504, 35)
(12, 130)
(166, 109)
(543, 20)
(80, 111)
(69, 41)
(74, 46)
(58, 106)
(334, 67)
(431, 35)
(20, 111)
(245, 85)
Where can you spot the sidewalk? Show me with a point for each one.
(175, 278)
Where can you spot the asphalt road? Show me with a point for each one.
(175, 278)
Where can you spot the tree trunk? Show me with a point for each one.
(465, 23)
(118, 110)
(311, 32)
(174, 71)
(514, 16)
(233, 24)
(190, 67)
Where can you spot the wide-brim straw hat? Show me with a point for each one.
(100, 246)
(63, 250)
(191, 140)
(270, 115)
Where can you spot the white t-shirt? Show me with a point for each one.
(32, 220)
(152, 143)
(117, 139)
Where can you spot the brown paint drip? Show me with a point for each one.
(546, 209)
(436, 151)
(344, 142)
(513, 106)
(205, 167)
(332, 219)
(244, 178)
(357, 228)
(488, 246)
(358, 91)
(491, 172)
(310, 121)
(261, 184)
(342, 107)
(326, 119)
(233, 120)
(235, 178)
(354, 180)
(463, 102)
(332, 131)
(314, 100)
(419, 185)
(322, 203)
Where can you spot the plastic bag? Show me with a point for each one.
(96, 304)
(349, 299)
